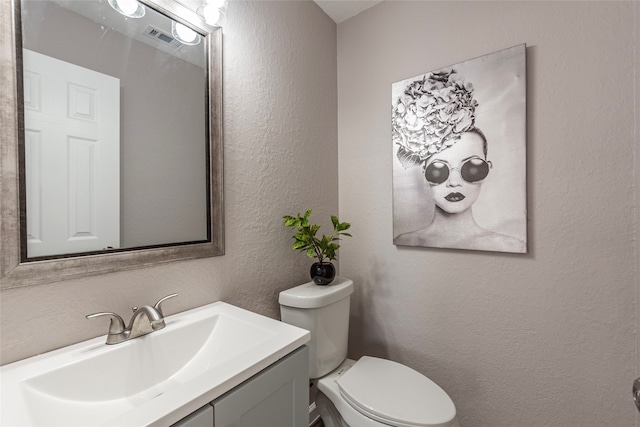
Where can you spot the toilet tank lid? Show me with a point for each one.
(310, 295)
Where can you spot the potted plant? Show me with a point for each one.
(324, 249)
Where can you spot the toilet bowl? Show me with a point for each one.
(369, 392)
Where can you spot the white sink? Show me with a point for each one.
(156, 379)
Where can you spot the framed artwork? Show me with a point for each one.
(459, 155)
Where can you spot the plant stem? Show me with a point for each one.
(316, 248)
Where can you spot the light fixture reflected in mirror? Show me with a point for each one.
(128, 8)
(214, 12)
(184, 34)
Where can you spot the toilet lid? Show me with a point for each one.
(395, 394)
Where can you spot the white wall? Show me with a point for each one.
(279, 63)
(544, 339)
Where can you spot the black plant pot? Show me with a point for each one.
(322, 273)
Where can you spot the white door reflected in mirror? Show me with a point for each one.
(72, 156)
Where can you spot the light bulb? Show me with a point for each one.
(211, 14)
(129, 7)
(184, 34)
(219, 4)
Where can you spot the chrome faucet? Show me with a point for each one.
(145, 320)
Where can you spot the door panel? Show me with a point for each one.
(72, 155)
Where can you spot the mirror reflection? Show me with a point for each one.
(115, 140)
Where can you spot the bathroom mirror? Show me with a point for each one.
(111, 137)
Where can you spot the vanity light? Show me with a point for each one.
(129, 8)
(184, 34)
(213, 12)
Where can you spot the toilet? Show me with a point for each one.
(370, 392)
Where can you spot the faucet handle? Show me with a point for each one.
(157, 305)
(116, 326)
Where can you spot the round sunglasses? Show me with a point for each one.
(472, 170)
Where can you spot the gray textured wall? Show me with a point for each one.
(279, 67)
(544, 339)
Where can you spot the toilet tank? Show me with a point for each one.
(323, 310)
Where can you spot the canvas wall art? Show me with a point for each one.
(459, 155)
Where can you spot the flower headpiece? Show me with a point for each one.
(431, 115)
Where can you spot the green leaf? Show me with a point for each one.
(307, 214)
(310, 252)
(343, 226)
(299, 244)
(334, 220)
(346, 234)
(289, 221)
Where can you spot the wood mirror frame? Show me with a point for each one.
(14, 270)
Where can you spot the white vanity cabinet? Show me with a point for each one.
(276, 397)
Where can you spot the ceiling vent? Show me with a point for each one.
(152, 31)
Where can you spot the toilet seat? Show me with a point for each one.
(395, 394)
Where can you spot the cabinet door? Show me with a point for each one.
(203, 417)
(275, 397)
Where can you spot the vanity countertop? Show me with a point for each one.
(153, 380)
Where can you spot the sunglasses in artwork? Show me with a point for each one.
(472, 170)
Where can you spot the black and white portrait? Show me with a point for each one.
(459, 155)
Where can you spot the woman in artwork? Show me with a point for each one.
(434, 127)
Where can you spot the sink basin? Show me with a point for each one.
(156, 379)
